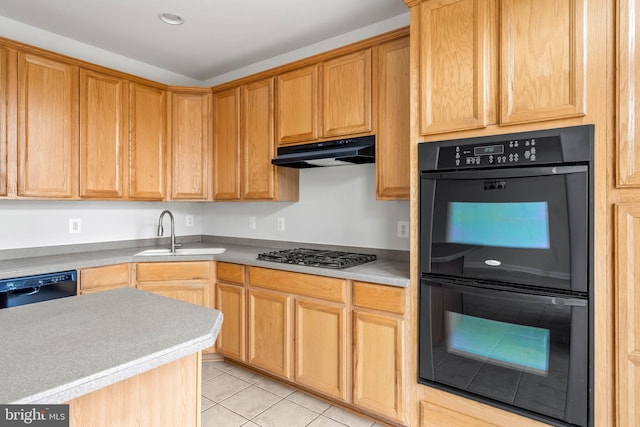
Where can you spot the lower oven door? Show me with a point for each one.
(524, 352)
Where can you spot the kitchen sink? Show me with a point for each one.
(181, 252)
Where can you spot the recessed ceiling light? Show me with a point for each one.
(171, 18)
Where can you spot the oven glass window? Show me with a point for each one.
(505, 344)
(508, 225)
(515, 352)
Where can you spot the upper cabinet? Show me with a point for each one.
(628, 127)
(4, 121)
(190, 144)
(326, 100)
(298, 105)
(455, 73)
(47, 127)
(74, 130)
(260, 179)
(540, 46)
(104, 127)
(393, 136)
(226, 144)
(346, 94)
(243, 121)
(542, 60)
(147, 141)
(258, 148)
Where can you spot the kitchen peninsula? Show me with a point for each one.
(124, 354)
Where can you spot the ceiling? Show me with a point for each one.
(217, 36)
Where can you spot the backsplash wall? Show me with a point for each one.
(337, 206)
(30, 223)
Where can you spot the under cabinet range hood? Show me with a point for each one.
(328, 153)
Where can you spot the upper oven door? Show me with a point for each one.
(525, 226)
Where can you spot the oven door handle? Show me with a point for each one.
(507, 173)
(508, 295)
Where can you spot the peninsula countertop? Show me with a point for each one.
(385, 271)
(58, 350)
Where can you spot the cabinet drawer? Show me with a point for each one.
(108, 276)
(327, 288)
(379, 297)
(233, 273)
(156, 272)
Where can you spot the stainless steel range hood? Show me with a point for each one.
(328, 153)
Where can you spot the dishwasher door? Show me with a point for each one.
(43, 287)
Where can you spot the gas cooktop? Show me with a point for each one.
(317, 258)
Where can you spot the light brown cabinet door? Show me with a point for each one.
(628, 91)
(47, 127)
(455, 78)
(190, 145)
(98, 279)
(104, 126)
(393, 139)
(627, 247)
(258, 148)
(379, 364)
(346, 94)
(321, 347)
(189, 281)
(194, 293)
(270, 332)
(230, 301)
(226, 145)
(542, 60)
(297, 108)
(147, 141)
(4, 121)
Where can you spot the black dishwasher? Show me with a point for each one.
(41, 287)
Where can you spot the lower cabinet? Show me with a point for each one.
(98, 279)
(320, 347)
(378, 364)
(379, 358)
(231, 301)
(188, 281)
(341, 339)
(270, 332)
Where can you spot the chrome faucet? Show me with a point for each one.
(174, 245)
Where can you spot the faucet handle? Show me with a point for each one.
(177, 245)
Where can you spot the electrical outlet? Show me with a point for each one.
(252, 223)
(75, 225)
(280, 224)
(403, 229)
(189, 220)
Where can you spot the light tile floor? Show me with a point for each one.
(233, 396)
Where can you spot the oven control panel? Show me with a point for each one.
(513, 152)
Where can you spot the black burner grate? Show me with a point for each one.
(317, 258)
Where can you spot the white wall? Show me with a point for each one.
(337, 206)
(28, 224)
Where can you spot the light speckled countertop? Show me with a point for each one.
(91, 341)
(387, 271)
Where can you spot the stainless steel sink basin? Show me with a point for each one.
(181, 252)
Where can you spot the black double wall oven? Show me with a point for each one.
(506, 271)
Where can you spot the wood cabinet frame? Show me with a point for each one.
(47, 127)
(529, 97)
(104, 132)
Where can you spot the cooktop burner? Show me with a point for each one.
(317, 258)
